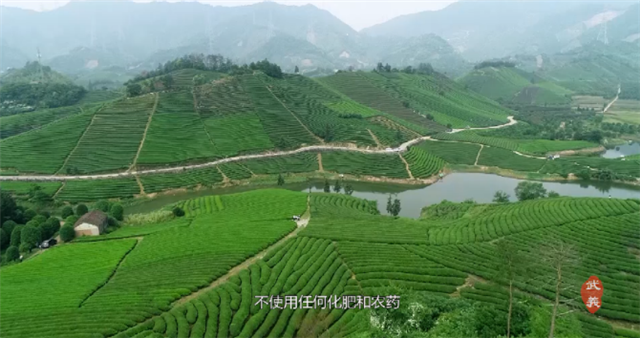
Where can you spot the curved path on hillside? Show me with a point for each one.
(400, 149)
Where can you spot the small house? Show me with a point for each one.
(92, 223)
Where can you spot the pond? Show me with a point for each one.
(622, 150)
(455, 187)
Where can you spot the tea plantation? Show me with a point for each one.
(162, 280)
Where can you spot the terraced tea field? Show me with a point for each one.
(422, 163)
(17, 124)
(186, 179)
(360, 89)
(112, 139)
(177, 133)
(43, 150)
(164, 284)
(283, 127)
(23, 188)
(92, 190)
(502, 158)
(237, 134)
(452, 152)
(364, 164)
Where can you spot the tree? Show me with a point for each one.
(449, 126)
(30, 236)
(7, 206)
(81, 209)
(12, 254)
(553, 194)
(393, 206)
(530, 190)
(327, 186)
(167, 81)
(178, 212)
(280, 179)
(50, 227)
(399, 136)
(134, 89)
(15, 236)
(337, 187)
(29, 214)
(559, 256)
(8, 226)
(348, 189)
(117, 211)
(296, 70)
(509, 265)
(71, 220)
(67, 233)
(102, 205)
(5, 238)
(66, 211)
(500, 197)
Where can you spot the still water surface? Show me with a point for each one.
(455, 187)
(622, 150)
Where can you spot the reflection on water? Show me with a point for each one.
(455, 187)
(622, 150)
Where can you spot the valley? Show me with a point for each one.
(193, 170)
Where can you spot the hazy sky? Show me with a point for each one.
(357, 13)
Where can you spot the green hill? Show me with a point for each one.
(513, 85)
(203, 115)
(36, 86)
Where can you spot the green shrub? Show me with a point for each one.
(66, 211)
(81, 209)
(178, 212)
(25, 247)
(15, 235)
(67, 233)
(117, 211)
(12, 254)
(102, 205)
(8, 226)
(31, 236)
(71, 220)
(50, 227)
(4, 239)
(29, 214)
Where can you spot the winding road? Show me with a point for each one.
(400, 149)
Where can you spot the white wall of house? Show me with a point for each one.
(87, 229)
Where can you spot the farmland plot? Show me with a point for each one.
(112, 140)
(92, 190)
(17, 124)
(364, 164)
(238, 134)
(283, 128)
(451, 152)
(43, 150)
(186, 179)
(298, 163)
(502, 158)
(422, 163)
(176, 133)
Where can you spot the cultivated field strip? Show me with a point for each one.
(177, 133)
(43, 150)
(359, 88)
(284, 131)
(188, 179)
(303, 266)
(422, 163)
(13, 125)
(315, 148)
(364, 164)
(111, 142)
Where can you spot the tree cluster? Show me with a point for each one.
(485, 64)
(38, 95)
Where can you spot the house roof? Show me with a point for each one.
(95, 217)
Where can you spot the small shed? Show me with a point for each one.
(92, 223)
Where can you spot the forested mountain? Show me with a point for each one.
(91, 36)
(482, 30)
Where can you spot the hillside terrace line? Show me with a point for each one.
(400, 149)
